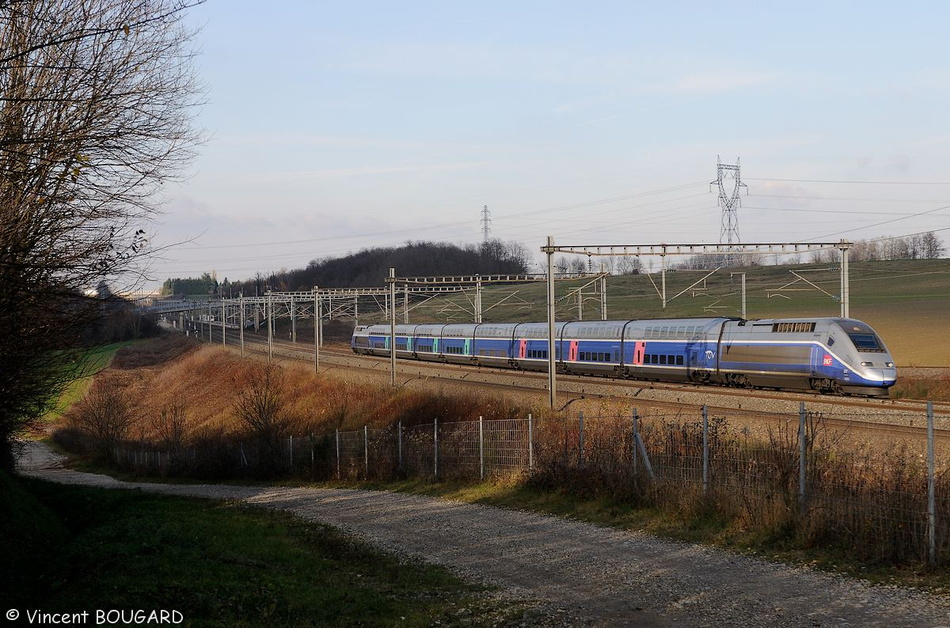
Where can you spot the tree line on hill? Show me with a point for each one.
(370, 267)
(920, 246)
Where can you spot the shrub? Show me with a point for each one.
(105, 417)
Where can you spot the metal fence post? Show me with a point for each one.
(530, 443)
(802, 448)
(481, 447)
(366, 449)
(291, 451)
(338, 453)
(435, 443)
(580, 441)
(931, 487)
(705, 448)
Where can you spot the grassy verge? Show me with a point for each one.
(93, 361)
(702, 528)
(71, 549)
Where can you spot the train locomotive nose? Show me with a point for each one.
(887, 376)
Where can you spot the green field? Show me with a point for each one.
(69, 549)
(906, 301)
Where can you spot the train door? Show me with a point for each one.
(522, 349)
(639, 350)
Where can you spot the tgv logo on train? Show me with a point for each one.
(829, 355)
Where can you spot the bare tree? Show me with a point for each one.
(578, 266)
(95, 115)
(629, 265)
(171, 427)
(105, 416)
(261, 408)
(932, 246)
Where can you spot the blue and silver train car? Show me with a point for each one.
(832, 355)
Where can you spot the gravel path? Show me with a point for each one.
(578, 573)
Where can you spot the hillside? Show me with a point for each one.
(906, 301)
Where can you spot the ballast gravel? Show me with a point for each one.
(572, 573)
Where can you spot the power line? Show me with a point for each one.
(886, 222)
(416, 230)
(851, 182)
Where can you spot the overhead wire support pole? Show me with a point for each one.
(391, 280)
(552, 364)
(317, 320)
(742, 275)
(270, 327)
(845, 247)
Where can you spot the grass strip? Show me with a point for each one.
(72, 549)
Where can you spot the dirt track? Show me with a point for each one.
(579, 574)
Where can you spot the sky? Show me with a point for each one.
(338, 126)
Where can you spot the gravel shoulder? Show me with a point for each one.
(577, 573)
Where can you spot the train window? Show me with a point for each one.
(679, 360)
(662, 359)
(866, 342)
(793, 328)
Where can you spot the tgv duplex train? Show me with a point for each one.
(830, 355)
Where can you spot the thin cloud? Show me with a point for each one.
(363, 171)
(722, 81)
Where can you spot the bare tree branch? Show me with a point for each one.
(96, 106)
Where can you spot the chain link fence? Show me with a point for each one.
(885, 495)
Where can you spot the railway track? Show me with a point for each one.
(302, 352)
(906, 416)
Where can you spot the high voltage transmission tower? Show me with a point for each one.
(486, 222)
(729, 232)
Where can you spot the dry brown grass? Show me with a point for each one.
(934, 387)
(860, 499)
(205, 381)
